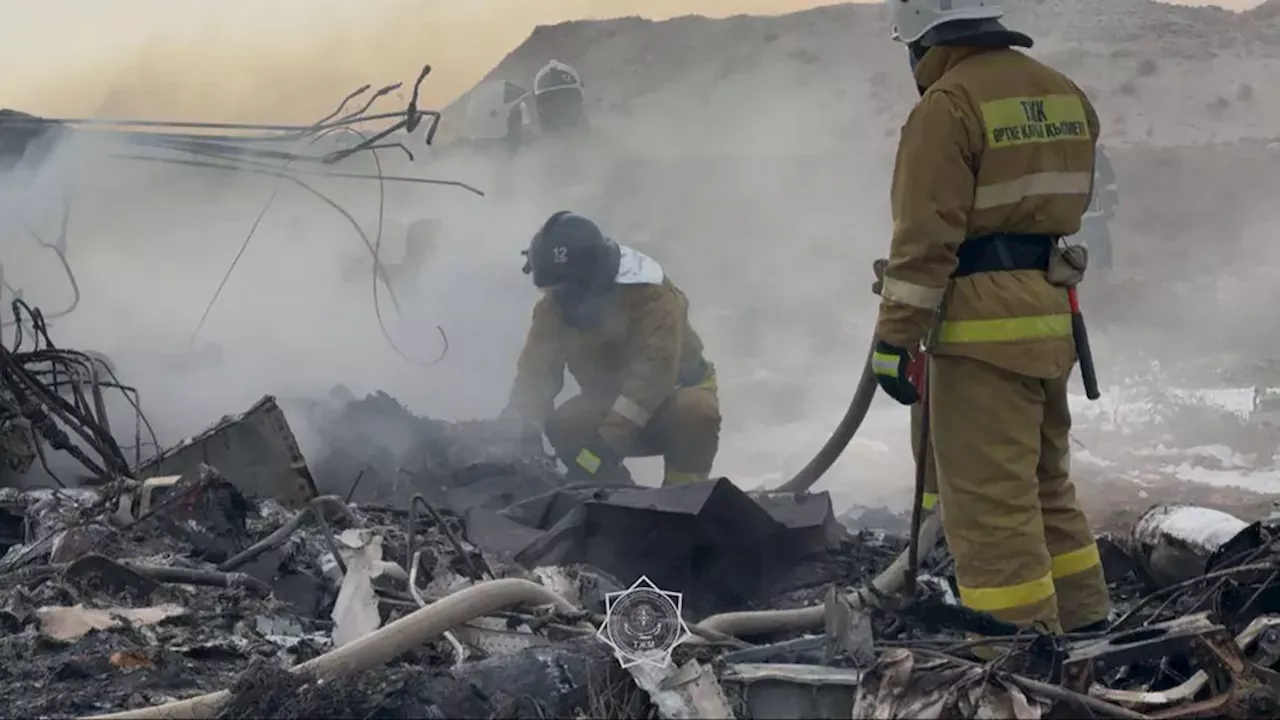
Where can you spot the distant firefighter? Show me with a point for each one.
(558, 99)
(497, 112)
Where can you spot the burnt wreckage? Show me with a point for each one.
(418, 568)
(53, 397)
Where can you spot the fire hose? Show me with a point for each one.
(889, 582)
(378, 647)
(863, 395)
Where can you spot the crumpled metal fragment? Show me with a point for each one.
(17, 444)
(906, 685)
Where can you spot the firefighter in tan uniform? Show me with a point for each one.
(994, 167)
(611, 316)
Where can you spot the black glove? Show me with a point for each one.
(592, 461)
(898, 371)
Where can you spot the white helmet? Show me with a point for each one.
(913, 18)
(490, 106)
(556, 75)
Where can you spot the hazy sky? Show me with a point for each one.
(282, 60)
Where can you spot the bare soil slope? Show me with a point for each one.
(1160, 74)
(1186, 95)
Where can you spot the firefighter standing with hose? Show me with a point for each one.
(994, 167)
(621, 327)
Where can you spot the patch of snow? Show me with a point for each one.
(1264, 481)
(1116, 404)
(1221, 455)
(1085, 456)
(1226, 457)
(1237, 400)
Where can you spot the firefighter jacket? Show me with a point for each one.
(629, 364)
(998, 143)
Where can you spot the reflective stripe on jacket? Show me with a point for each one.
(999, 143)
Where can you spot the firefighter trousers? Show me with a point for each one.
(685, 431)
(1024, 551)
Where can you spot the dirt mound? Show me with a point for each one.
(831, 76)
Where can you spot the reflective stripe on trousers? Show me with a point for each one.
(1011, 596)
(1032, 327)
(1008, 597)
(1075, 561)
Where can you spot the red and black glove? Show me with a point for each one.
(593, 460)
(899, 372)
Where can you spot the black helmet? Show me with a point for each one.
(569, 249)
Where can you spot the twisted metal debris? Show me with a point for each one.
(407, 614)
(266, 150)
(44, 389)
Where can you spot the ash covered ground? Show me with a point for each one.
(131, 595)
(722, 137)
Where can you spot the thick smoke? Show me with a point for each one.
(750, 156)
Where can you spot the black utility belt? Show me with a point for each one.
(1004, 252)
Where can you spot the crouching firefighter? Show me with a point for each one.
(994, 167)
(610, 315)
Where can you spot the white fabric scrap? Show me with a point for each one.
(355, 613)
(636, 268)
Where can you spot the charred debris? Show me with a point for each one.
(419, 568)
